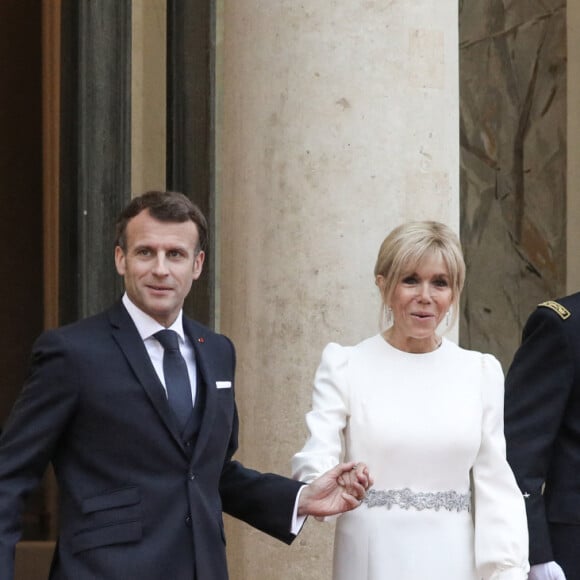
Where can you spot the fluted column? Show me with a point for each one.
(95, 156)
(573, 149)
(336, 121)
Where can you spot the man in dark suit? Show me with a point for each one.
(144, 476)
(542, 428)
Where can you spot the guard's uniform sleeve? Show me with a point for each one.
(538, 386)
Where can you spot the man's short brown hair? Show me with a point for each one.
(164, 206)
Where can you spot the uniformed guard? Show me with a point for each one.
(542, 428)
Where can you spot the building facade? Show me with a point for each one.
(305, 132)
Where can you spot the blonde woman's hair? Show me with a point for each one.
(408, 245)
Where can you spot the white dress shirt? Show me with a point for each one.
(147, 327)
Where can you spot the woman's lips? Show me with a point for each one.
(423, 315)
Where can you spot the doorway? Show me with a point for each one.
(21, 220)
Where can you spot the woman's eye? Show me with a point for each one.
(409, 280)
(441, 283)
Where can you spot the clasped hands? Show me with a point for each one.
(340, 489)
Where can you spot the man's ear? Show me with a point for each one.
(120, 260)
(198, 264)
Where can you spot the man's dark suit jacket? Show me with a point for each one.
(542, 428)
(137, 498)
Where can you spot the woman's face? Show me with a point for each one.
(420, 300)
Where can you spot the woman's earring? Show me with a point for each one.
(448, 317)
(389, 314)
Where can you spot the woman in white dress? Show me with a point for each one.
(427, 417)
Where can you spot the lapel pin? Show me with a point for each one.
(201, 339)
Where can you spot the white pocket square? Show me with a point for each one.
(223, 384)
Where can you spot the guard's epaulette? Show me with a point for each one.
(562, 312)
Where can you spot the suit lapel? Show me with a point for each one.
(130, 342)
(196, 335)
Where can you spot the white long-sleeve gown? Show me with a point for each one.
(427, 422)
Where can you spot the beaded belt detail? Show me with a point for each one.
(406, 499)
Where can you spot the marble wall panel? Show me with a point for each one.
(513, 165)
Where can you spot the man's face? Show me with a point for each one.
(159, 265)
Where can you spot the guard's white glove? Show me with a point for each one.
(546, 571)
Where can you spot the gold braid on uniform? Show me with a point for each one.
(562, 312)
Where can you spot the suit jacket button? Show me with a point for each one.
(188, 443)
(188, 520)
(191, 476)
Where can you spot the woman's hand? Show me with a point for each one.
(359, 474)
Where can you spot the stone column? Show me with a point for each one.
(573, 149)
(95, 156)
(337, 120)
(148, 95)
(189, 125)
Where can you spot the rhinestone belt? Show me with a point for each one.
(406, 499)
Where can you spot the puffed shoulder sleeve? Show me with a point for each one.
(328, 417)
(501, 536)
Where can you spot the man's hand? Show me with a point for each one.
(326, 496)
(546, 571)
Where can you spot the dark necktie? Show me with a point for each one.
(176, 376)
